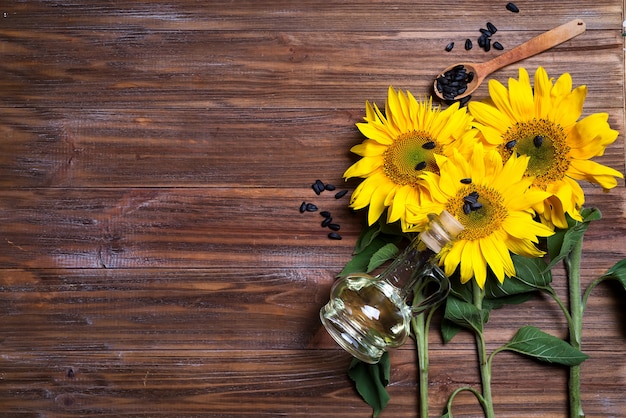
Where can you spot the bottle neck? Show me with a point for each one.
(404, 271)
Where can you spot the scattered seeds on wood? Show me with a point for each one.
(511, 7)
(334, 235)
(334, 227)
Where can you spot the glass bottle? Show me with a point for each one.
(366, 315)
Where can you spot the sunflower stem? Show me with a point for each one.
(420, 324)
(572, 263)
(483, 359)
(421, 339)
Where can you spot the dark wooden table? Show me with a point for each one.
(153, 157)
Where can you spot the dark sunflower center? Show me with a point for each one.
(545, 143)
(480, 209)
(410, 154)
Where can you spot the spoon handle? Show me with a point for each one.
(537, 44)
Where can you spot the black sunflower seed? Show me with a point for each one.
(330, 187)
(510, 144)
(326, 222)
(468, 44)
(511, 7)
(421, 165)
(470, 199)
(538, 141)
(491, 28)
(334, 235)
(340, 194)
(475, 206)
(465, 100)
(429, 145)
(303, 207)
(310, 207)
(449, 47)
(482, 40)
(466, 180)
(487, 46)
(467, 208)
(497, 45)
(325, 214)
(334, 227)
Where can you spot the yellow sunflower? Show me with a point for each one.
(544, 123)
(493, 202)
(400, 145)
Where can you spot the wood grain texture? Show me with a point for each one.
(153, 158)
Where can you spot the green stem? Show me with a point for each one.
(550, 291)
(421, 324)
(572, 263)
(421, 338)
(485, 366)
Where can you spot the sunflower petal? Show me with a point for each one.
(594, 172)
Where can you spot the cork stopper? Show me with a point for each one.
(440, 230)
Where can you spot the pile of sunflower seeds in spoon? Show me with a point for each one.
(484, 41)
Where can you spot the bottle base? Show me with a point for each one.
(348, 337)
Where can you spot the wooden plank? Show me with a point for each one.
(247, 15)
(265, 70)
(269, 383)
(278, 148)
(193, 228)
(225, 308)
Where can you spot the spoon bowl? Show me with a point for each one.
(462, 79)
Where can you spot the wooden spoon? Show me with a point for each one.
(529, 48)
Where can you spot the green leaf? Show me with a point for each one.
(499, 302)
(449, 330)
(617, 272)
(533, 272)
(370, 381)
(383, 254)
(465, 314)
(530, 275)
(562, 242)
(366, 237)
(533, 342)
(462, 291)
(361, 260)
